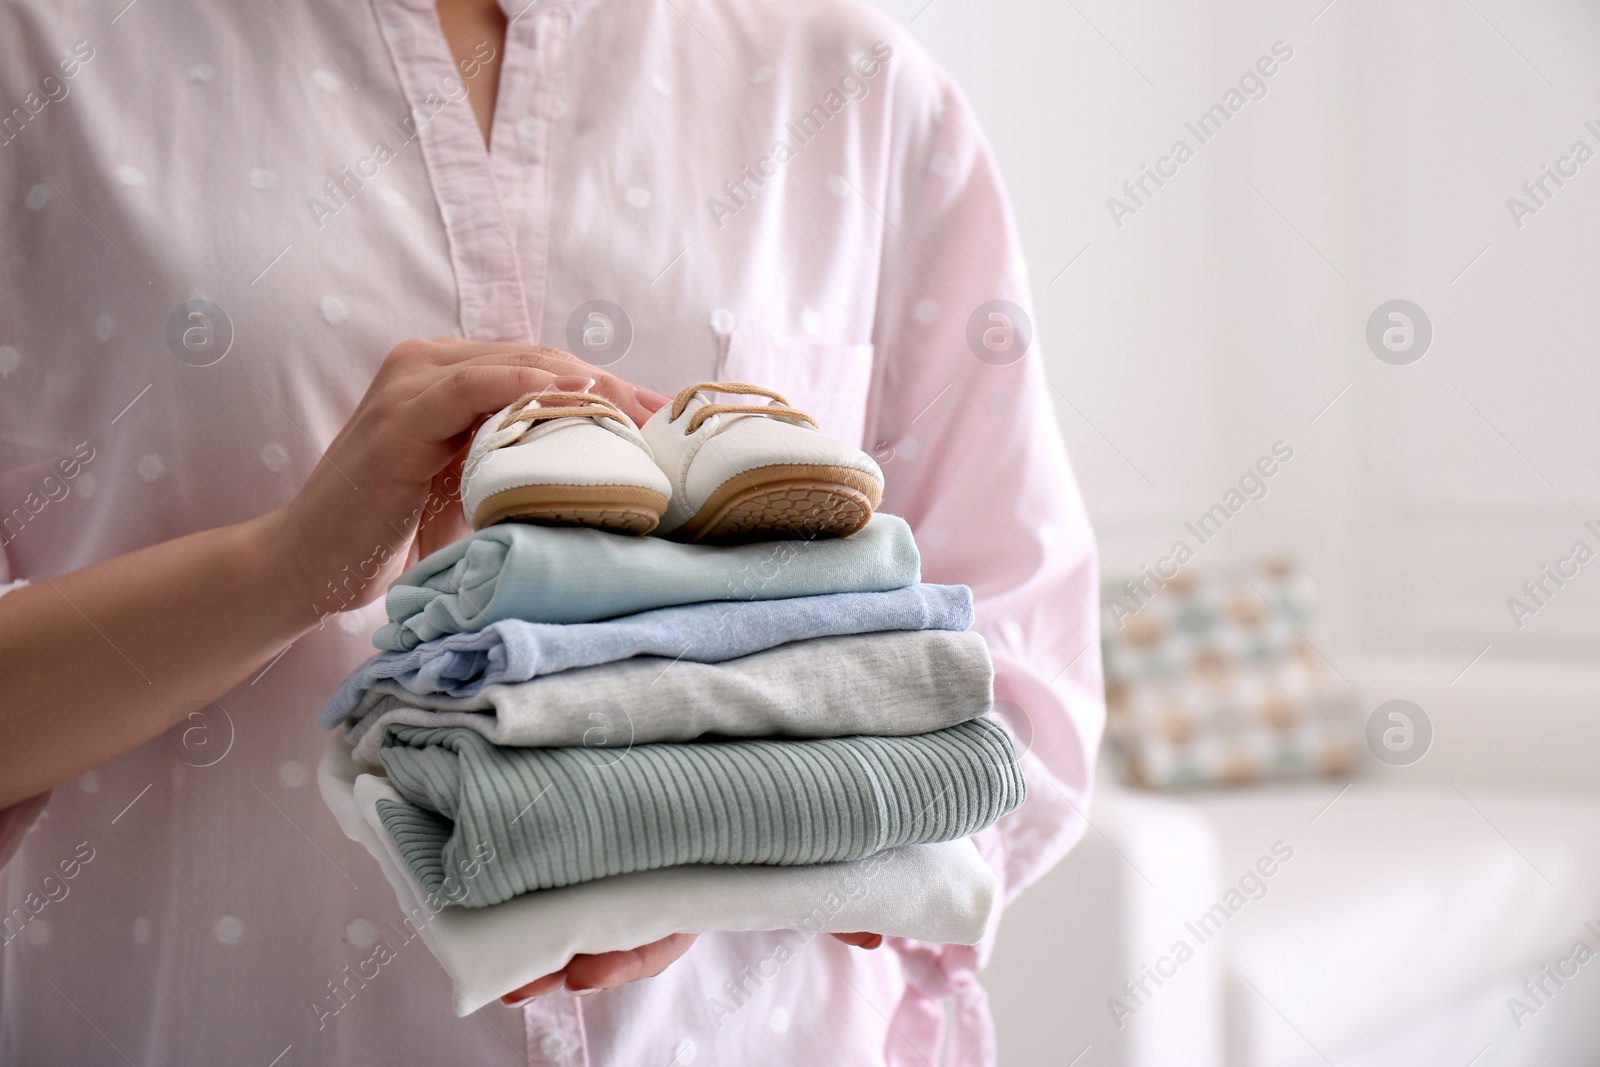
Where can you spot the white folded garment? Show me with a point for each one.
(939, 893)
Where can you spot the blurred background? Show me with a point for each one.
(1378, 256)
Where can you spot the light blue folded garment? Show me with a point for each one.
(514, 650)
(568, 574)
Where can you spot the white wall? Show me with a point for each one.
(1231, 309)
(1227, 314)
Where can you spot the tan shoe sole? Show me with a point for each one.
(624, 508)
(784, 501)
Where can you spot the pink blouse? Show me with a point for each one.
(218, 218)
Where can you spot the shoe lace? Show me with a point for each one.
(530, 409)
(688, 392)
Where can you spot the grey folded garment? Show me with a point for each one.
(897, 683)
(561, 816)
(516, 650)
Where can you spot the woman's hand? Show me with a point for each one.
(391, 477)
(390, 480)
(585, 974)
(168, 630)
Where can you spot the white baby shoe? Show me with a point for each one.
(757, 471)
(563, 459)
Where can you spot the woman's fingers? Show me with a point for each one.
(456, 402)
(639, 404)
(608, 970)
(653, 400)
(624, 394)
(442, 521)
(445, 351)
(861, 940)
(658, 955)
(537, 988)
(458, 399)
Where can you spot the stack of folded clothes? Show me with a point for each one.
(575, 741)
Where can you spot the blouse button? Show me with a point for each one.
(553, 1046)
(722, 321)
(528, 128)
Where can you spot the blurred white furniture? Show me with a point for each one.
(1414, 905)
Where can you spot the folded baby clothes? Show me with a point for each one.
(563, 816)
(941, 893)
(513, 650)
(893, 684)
(567, 575)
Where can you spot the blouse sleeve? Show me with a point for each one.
(962, 420)
(19, 818)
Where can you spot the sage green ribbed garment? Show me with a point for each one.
(559, 816)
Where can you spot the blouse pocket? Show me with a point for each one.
(827, 380)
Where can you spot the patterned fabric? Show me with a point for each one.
(194, 140)
(1218, 679)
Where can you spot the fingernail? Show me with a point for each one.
(650, 396)
(873, 942)
(572, 383)
(516, 1003)
(582, 992)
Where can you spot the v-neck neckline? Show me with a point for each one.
(493, 197)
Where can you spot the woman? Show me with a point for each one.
(218, 219)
